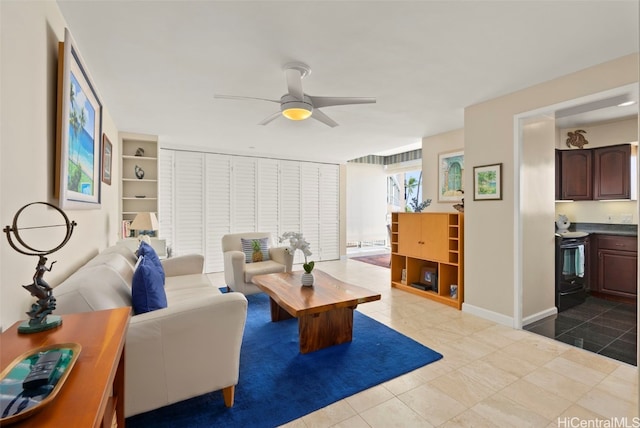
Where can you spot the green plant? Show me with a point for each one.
(308, 267)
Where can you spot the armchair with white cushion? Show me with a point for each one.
(238, 272)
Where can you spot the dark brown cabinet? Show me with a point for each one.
(616, 265)
(576, 174)
(612, 169)
(558, 176)
(603, 173)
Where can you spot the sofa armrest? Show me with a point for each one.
(183, 265)
(182, 351)
(282, 256)
(234, 262)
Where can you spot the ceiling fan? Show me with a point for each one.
(296, 105)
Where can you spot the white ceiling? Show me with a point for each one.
(157, 65)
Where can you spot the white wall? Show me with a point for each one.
(366, 202)
(431, 147)
(491, 251)
(537, 210)
(29, 36)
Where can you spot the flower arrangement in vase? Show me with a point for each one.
(297, 242)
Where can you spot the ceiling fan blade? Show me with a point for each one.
(319, 102)
(271, 118)
(318, 115)
(294, 83)
(237, 97)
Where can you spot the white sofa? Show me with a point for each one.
(190, 348)
(238, 273)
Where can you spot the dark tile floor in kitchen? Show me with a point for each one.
(600, 326)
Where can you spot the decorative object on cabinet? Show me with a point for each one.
(563, 223)
(429, 278)
(20, 402)
(40, 317)
(453, 291)
(139, 172)
(418, 207)
(138, 194)
(576, 138)
(450, 176)
(145, 224)
(79, 126)
(107, 159)
(428, 240)
(487, 182)
(460, 207)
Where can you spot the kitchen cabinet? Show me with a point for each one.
(611, 172)
(616, 266)
(576, 174)
(558, 176)
(433, 241)
(602, 173)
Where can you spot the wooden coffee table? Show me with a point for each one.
(324, 311)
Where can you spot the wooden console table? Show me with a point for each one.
(93, 395)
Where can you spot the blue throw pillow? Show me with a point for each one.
(247, 249)
(147, 251)
(147, 288)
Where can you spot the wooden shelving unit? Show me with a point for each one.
(434, 240)
(138, 194)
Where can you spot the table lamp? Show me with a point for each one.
(145, 223)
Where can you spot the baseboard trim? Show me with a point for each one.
(540, 315)
(487, 314)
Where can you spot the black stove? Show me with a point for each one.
(572, 255)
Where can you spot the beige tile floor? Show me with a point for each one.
(490, 376)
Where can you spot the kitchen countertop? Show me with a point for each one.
(606, 229)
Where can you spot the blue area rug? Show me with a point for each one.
(278, 384)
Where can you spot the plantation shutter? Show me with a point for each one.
(310, 215)
(189, 203)
(290, 196)
(204, 196)
(268, 196)
(329, 212)
(217, 208)
(243, 194)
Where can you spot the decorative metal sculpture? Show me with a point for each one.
(576, 138)
(40, 317)
(139, 172)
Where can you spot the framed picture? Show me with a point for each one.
(79, 127)
(487, 182)
(107, 149)
(429, 276)
(451, 176)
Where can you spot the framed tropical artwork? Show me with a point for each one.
(487, 182)
(79, 128)
(451, 176)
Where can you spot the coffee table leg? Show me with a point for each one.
(277, 313)
(325, 329)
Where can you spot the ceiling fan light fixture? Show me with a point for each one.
(296, 113)
(294, 109)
